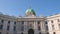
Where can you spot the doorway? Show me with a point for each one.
(30, 31)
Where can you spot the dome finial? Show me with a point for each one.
(29, 7)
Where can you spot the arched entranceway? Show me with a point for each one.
(30, 31)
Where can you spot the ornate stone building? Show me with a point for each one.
(29, 24)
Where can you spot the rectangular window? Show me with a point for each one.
(22, 22)
(45, 22)
(58, 20)
(38, 22)
(15, 23)
(8, 22)
(8, 28)
(22, 33)
(59, 26)
(2, 21)
(30, 25)
(39, 28)
(0, 33)
(54, 33)
(39, 32)
(51, 21)
(14, 28)
(53, 27)
(22, 28)
(1, 27)
(7, 33)
(47, 28)
(47, 32)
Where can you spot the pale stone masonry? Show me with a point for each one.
(30, 24)
(53, 24)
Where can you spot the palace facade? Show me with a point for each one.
(30, 24)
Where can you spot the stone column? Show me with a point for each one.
(43, 31)
(18, 28)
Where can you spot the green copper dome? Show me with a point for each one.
(29, 11)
